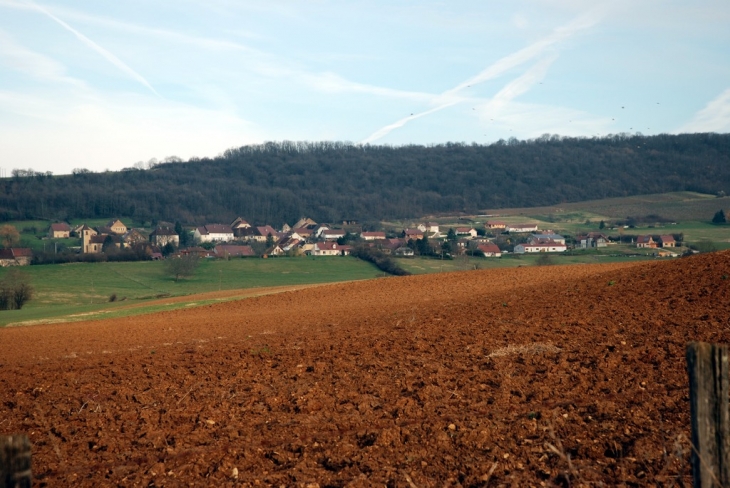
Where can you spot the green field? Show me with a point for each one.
(69, 291)
(610, 255)
(74, 291)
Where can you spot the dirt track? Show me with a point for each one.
(532, 376)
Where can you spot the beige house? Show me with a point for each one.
(60, 230)
(15, 256)
(668, 241)
(117, 226)
(496, 225)
(161, 236)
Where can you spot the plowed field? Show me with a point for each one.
(539, 376)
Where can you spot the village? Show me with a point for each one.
(306, 237)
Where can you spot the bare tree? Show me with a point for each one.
(182, 266)
(9, 236)
(15, 290)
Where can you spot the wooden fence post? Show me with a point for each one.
(707, 365)
(15, 462)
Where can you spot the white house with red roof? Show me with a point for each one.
(646, 242)
(332, 234)
(490, 250)
(330, 248)
(668, 241)
(466, 231)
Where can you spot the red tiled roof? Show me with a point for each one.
(489, 248)
(60, 227)
(216, 229)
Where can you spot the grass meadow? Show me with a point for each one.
(74, 291)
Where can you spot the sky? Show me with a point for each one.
(110, 85)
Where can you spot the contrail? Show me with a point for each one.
(106, 54)
(450, 97)
(521, 84)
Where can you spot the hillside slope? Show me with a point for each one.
(281, 182)
(543, 374)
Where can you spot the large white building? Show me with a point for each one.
(213, 233)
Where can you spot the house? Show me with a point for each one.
(548, 237)
(496, 225)
(76, 230)
(94, 244)
(429, 228)
(233, 251)
(591, 240)
(667, 241)
(275, 250)
(15, 256)
(239, 223)
(291, 243)
(302, 232)
(60, 230)
(404, 252)
(414, 234)
(490, 250)
(372, 236)
(389, 246)
(466, 231)
(213, 233)
(549, 246)
(519, 228)
(305, 222)
(132, 237)
(330, 248)
(332, 234)
(646, 242)
(263, 233)
(196, 251)
(116, 226)
(162, 236)
(238, 226)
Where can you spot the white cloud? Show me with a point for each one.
(33, 64)
(715, 117)
(113, 132)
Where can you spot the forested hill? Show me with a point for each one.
(281, 182)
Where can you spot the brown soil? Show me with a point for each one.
(539, 376)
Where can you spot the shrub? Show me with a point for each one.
(15, 290)
(382, 261)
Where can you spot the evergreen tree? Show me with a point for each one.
(719, 217)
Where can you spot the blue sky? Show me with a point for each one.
(105, 85)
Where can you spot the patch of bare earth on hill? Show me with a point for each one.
(542, 376)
